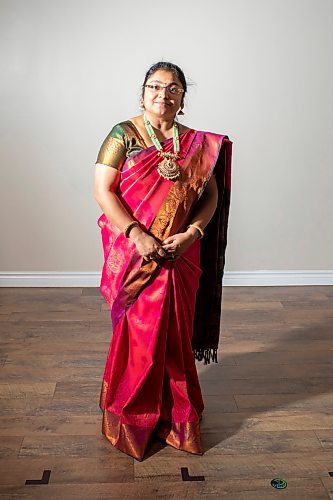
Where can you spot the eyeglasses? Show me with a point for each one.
(173, 89)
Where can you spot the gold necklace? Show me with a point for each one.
(168, 168)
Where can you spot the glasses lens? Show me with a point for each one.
(173, 89)
(154, 88)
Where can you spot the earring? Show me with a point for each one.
(141, 105)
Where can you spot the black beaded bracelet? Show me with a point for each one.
(129, 227)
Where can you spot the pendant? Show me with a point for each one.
(168, 168)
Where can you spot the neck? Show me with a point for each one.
(160, 123)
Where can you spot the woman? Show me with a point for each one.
(165, 203)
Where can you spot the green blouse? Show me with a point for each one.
(123, 141)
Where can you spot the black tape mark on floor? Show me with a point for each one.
(186, 476)
(45, 478)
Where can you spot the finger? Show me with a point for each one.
(158, 254)
(169, 245)
(168, 240)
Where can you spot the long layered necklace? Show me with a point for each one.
(168, 168)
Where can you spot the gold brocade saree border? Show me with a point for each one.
(102, 397)
(133, 439)
(130, 439)
(184, 436)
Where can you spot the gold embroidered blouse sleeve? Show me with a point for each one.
(113, 149)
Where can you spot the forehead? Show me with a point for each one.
(164, 76)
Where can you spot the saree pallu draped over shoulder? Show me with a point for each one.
(162, 316)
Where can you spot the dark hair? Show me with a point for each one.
(167, 66)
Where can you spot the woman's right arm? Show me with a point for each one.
(105, 183)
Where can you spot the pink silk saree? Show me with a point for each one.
(150, 384)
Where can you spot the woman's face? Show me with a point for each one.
(162, 103)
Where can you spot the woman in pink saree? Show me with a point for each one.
(164, 234)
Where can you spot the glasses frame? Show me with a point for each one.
(179, 90)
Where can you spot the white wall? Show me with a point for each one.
(263, 75)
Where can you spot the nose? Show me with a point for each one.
(163, 91)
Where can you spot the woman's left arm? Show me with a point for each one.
(204, 211)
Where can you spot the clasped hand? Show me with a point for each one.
(171, 248)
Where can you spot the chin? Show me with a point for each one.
(162, 112)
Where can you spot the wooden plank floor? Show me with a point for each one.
(269, 401)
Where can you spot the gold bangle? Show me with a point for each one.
(198, 229)
(129, 227)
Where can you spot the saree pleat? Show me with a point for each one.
(150, 384)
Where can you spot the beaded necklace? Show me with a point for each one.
(168, 168)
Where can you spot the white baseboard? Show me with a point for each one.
(233, 278)
(278, 278)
